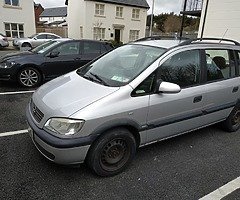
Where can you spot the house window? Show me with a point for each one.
(12, 2)
(99, 9)
(134, 35)
(14, 30)
(98, 33)
(119, 11)
(136, 13)
(81, 32)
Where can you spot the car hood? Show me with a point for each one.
(68, 94)
(16, 56)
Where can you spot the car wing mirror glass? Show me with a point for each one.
(171, 88)
(54, 54)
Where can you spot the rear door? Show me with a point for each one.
(89, 51)
(222, 87)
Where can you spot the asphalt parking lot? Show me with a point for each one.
(186, 167)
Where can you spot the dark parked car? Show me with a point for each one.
(50, 60)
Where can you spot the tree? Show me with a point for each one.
(172, 24)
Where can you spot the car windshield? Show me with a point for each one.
(122, 65)
(44, 47)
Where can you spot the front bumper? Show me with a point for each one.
(59, 150)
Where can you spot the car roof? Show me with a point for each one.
(167, 44)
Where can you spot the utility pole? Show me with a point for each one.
(151, 25)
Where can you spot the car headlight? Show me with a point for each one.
(7, 64)
(64, 126)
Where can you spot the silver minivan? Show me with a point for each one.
(135, 95)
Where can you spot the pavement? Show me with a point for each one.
(185, 167)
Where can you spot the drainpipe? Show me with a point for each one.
(204, 19)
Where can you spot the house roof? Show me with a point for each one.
(135, 3)
(54, 12)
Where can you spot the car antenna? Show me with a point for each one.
(223, 36)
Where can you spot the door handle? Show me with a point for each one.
(197, 99)
(77, 59)
(235, 89)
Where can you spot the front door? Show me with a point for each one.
(67, 59)
(117, 35)
(172, 114)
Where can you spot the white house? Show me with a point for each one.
(220, 18)
(17, 18)
(120, 20)
(53, 16)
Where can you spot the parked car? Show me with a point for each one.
(3, 41)
(34, 40)
(135, 95)
(50, 60)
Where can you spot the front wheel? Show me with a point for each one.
(232, 123)
(29, 77)
(112, 152)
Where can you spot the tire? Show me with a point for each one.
(232, 123)
(29, 77)
(112, 152)
(26, 45)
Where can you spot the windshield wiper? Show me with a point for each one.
(95, 78)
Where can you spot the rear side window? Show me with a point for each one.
(91, 48)
(182, 69)
(238, 60)
(220, 64)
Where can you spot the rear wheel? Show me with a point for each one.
(112, 152)
(232, 123)
(29, 77)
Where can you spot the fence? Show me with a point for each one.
(61, 31)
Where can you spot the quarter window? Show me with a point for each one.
(14, 30)
(219, 65)
(136, 13)
(12, 2)
(99, 9)
(119, 11)
(182, 69)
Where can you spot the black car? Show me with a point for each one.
(50, 60)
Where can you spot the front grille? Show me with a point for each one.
(36, 113)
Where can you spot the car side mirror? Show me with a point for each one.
(54, 54)
(35, 38)
(170, 88)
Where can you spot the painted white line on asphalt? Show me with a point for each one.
(13, 133)
(223, 191)
(19, 92)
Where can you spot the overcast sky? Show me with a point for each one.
(160, 5)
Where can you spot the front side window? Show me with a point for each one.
(133, 35)
(43, 36)
(12, 2)
(14, 30)
(182, 68)
(121, 65)
(98, 33)
(219, 65)
(135, 13)
(119, 12)
(71, 48)
(99, 9)
(44, 47)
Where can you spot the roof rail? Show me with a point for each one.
(159, 37)
(187, 42)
